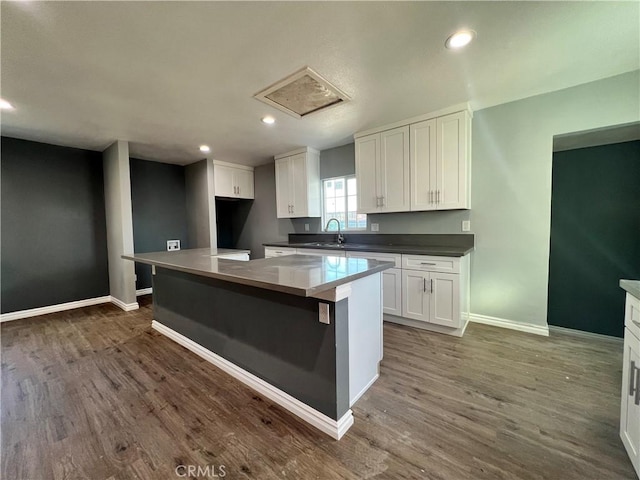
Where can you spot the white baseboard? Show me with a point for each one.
(127, 307)
(510, 324)
(361, 392)
(580, 333)
(144, 291)
(60, 307)
(333, 428)
(432, 327)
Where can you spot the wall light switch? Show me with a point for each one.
(306, 227)
(466, 225)
(173, 245)
(375, 227)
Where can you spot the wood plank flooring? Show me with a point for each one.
(94, 393)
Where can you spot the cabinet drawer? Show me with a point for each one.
(278, 251)
(383, 257)
(632, 315)
(431, 264)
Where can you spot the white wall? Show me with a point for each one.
(117, 195)
(511, 189)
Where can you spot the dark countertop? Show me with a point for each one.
(438, 250)
(631, 286)
(303, 275)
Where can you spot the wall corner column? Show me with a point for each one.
(119, 217)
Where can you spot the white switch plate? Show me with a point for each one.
(466, 225)
(323, 314)
(306, 227)
(173, 245)
(375, 227)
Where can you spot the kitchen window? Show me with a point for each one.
(340, 201)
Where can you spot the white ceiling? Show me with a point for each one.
(169, 76)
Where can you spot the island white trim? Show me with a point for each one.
(333, 428)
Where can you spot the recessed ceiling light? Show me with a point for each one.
(205, 148)
(268, 120)
(460, 39)
(4, 105)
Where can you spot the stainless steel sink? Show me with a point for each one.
(324, 245)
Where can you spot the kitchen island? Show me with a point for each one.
(304, 331)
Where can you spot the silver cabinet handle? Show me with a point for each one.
(238, 187)
(632, 377)
(382, 201)
(424, 284)
(637, 399)
(378, 201)
(437, 196)
(430, 196)
(427, 263)
(432, 285)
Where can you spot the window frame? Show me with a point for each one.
(346, 203)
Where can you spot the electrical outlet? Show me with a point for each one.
(306, 227)
(375, 227)
(323, 314)
(466, 225)
(173, 245)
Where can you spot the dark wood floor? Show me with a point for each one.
(94, 393)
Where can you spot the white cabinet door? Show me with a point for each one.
(422, 156)
(451, 161)
(415, 297)
(298, 185)
(367, 152)
(243, 181)
(223, 181)
(283, 189)
(392, 291)
(393, 170)
(630, 405)
(445, 299)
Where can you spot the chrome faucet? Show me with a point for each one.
(340, 237)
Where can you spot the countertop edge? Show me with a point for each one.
(399, 249)
(632, 287)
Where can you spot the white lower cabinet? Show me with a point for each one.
(270, 252)
(630, 397)
(391, 280)
(432, 297)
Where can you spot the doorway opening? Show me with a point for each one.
(595, 228)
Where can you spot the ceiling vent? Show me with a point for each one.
(302, 93)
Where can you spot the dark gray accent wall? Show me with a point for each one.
(273, 335)
(262, 224)
(53, 241)
(338, 162)
(158, 201)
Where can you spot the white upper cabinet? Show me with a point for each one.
(422, 165)
(440, 163)
(232, 181)
(298, 184)
(382, 171)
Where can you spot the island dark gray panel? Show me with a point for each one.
(54, 247)
(275, 336)
(158, 201)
